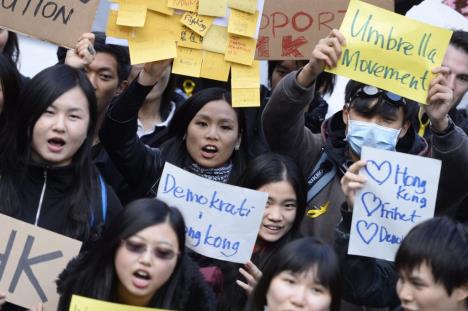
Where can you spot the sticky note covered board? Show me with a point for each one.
(79, 303)
(390, 51)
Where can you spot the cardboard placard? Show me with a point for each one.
(31, 258)
(58, 21)
(290, 29)
(400, 192)
(79, 303)
(221, 220)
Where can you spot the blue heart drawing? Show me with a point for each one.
(369, 199)
(368, 229)
(379, 172)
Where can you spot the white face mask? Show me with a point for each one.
(362, 133)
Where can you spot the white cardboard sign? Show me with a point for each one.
(400, 192)
(221, 220)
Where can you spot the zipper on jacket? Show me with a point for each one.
(39, 207)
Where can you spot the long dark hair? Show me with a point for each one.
(11, 49)
(37, 95)
(93, 274)
(175, 148)
(269, 168)
(301, 256)
(10, 84)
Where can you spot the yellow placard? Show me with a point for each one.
(79, 303)
(186, 5)
(246, 97)
(390, 51)
(214, 66)
(117, 31)
(132, 13)
(160, 6)
(198, 23)
(212, 7)
(242, 23)
(216, 39)
(240, 50)
(249, 6)
(245, 85)
(188, 62)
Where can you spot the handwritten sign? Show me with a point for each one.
(390, 51)
(400, 192)
(186, 5)
(222, 221)
(290, 29)
(31, 258)
(59, 21)
(79, 303)
(240, 50)
(198, 23)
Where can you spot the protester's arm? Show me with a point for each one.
(139, 164)
(283, 118)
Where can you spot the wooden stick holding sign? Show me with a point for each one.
(400, 192)
(222, 221)
(57, 21)
(31, 258)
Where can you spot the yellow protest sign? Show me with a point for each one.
(117, 31)
(242, 23)
(240, 50)
(245, 85)
(160, 6)
(132, 13)
(216, 39)
(198, 23)
(390, 51)
(79, 303)
(244, 5)
(186, 5)
(188, 62)
(212, 7)
(214, 66)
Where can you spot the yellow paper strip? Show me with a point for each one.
(249, 6)
(216, 39)
(240, 50)
(160, 6)
(390, 51)
(214, 67)
(188, 38)
(246, 77)
(246, 97)
(212, 7)
(186, 5)
(144, 50)
(83, 303)
(116, 31)
(132, 13)
(198, 23)
(188, 62)
(242, 23)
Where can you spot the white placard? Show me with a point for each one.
(221, 221)
(400, 192)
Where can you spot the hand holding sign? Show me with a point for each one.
(352, 181)
(83, 54)
(326, 53)
(439, 99)
(252, 275)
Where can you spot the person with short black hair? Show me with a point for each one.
(432, 262)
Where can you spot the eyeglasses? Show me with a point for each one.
(160, 252)
(372, 91)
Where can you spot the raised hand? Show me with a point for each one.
(352, 181)
(153, 71)
(252, 275)
(83, 54)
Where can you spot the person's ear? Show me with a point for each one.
(345, 113)
(460, 293)
(238, 143)
(404, 128)
(122, 86)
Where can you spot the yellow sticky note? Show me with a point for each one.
(390, 51)
(186, 37)
(242, 23)
(212, 7)
(186, 5)
(188, 62)
(249, 6)
(216, 39)
(246, 77)
(240, 50)
(245, 97)
(160, 6)
(132, 13)
(214, 66)
(84, 303)
(117, 31)
(147, 49)
(198, 23)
